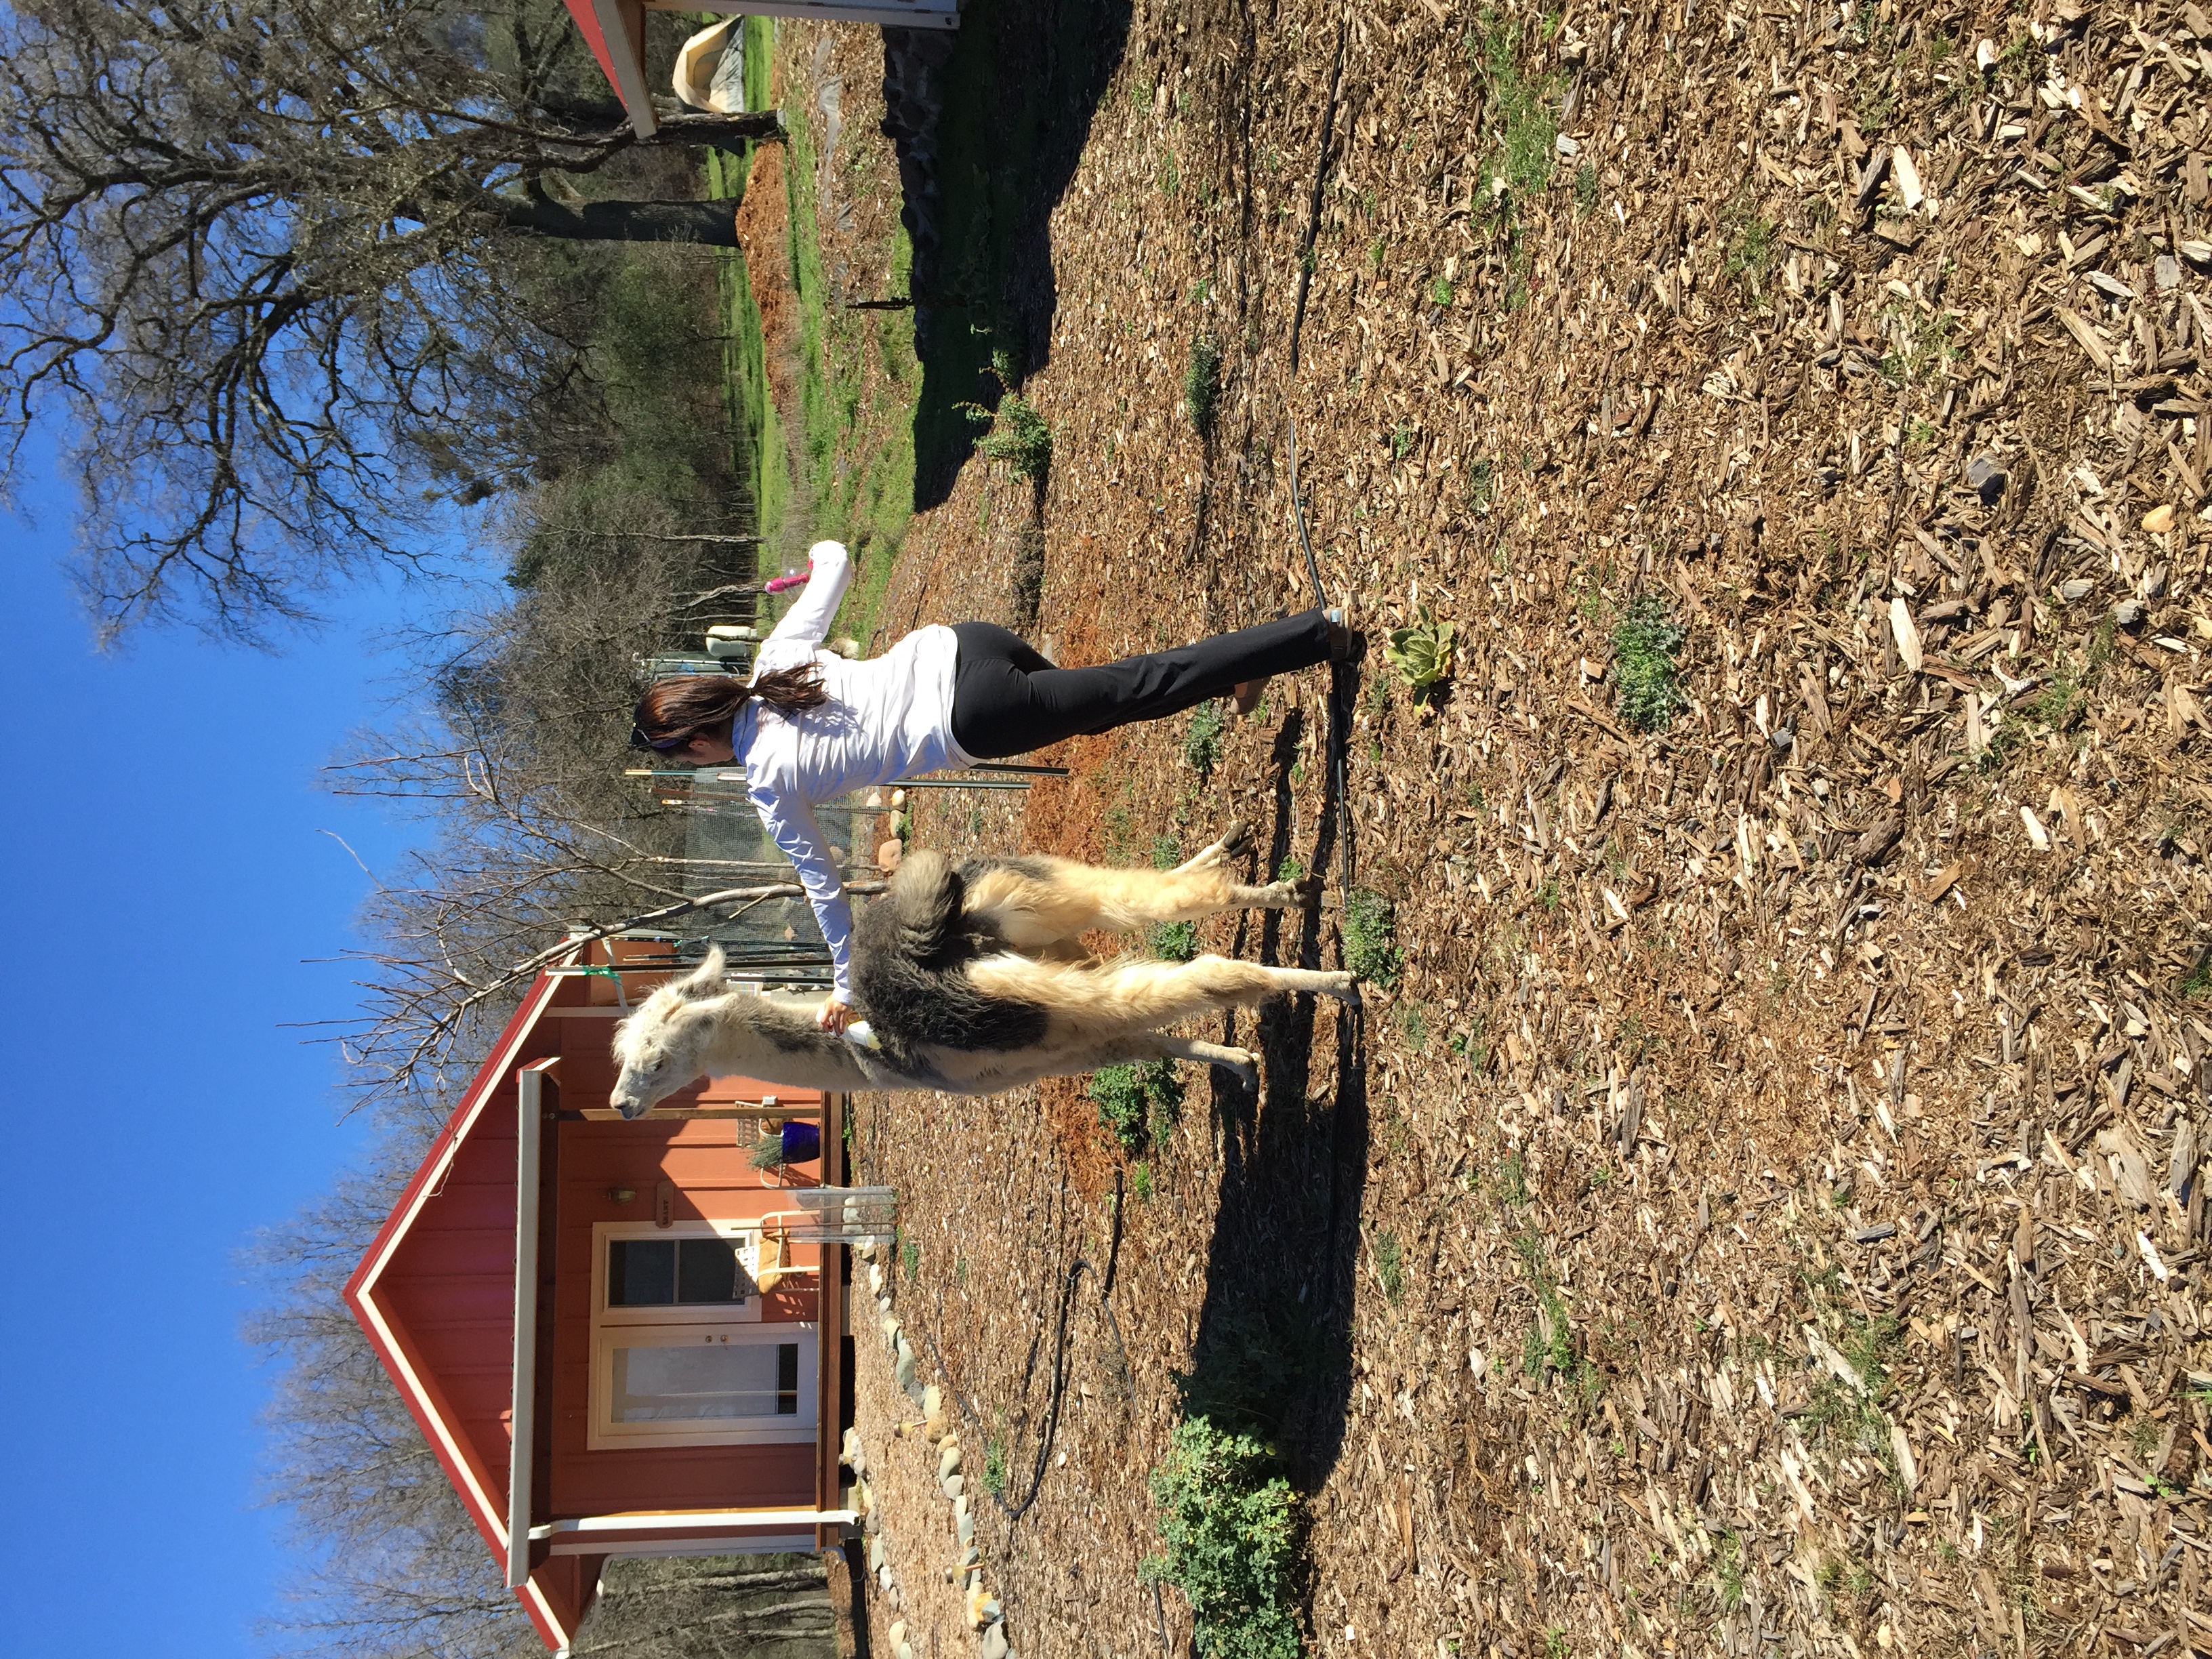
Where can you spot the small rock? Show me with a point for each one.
(963, 1527)
(890, 855)
(994, 1643)
(875, 1280)
(1784, 739)
(949, 1462)
(904, 1372)
(2160, 519)
(902, 1651)
(883, 1579)
(898, 1632)
(875, 1553)
(954, 1485)
(1986, 476)
(932, 1402)
(2166, 271)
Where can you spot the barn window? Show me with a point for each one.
(665, 1272)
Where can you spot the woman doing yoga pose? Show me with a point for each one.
(809, 727)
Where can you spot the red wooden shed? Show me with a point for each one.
(578, 1311)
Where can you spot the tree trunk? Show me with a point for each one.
(710, 224)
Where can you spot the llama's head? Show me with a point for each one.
(664, 1045)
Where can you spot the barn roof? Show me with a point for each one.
(436, 1294)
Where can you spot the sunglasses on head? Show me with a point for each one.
(639, 738)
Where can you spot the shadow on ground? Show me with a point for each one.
(1273, 1353)
(1018, 96)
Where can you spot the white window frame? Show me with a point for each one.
(664, 1326)
(604, 1233)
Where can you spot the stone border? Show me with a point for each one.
(986, 1616)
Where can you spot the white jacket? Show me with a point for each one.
(888, 717)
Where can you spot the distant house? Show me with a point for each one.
(615, 31)
(572, 1307)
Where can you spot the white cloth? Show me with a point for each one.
(888, 717)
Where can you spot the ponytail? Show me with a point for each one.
(676, 710)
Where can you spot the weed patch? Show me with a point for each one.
(1172, 941)
(1644, 642)
(1139, 1104)
(1371, 939)
(1202, 739)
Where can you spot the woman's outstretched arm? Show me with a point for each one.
(790, 824)
(806, 623)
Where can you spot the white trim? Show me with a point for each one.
(795, 1543)
(522, 1416)
(747, 1312)
(670, 1520)
(890, 14)
(626, 53)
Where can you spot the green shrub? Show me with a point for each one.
(1140, 1181)
(1139, 1104)
(1230, 1537)
(1644, 642)
(1371, 939)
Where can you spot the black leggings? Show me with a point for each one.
(1008, 700)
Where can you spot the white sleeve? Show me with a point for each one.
(790, 824)
(795, 639)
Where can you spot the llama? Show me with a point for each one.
(972, 981)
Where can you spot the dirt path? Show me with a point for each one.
(1761, 1213)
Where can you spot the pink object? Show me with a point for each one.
(777, 584)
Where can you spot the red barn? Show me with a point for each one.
(581, 1314)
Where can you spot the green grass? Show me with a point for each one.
(994, 1465)
(1139, 1104)
(1644, 643)
(1140, 1181)
(1230, 1535)
(1390, 1266)
(1371, 939)
(1413, 1026)
(1201, 384)
(1753, 240)
(1521, 110)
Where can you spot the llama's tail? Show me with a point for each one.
(926, 895)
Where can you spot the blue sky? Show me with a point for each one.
(165, 884)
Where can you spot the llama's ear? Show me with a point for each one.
(706, 981)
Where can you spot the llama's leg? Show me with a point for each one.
(1135, 996)
(1127, 1048)
(1236, 839)
(1036, 900)
(1243, 1061)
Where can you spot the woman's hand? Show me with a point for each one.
(835, 1016)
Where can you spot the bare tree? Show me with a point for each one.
(257, 250)
(396, 1568)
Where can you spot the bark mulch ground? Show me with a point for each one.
(1761, 1213)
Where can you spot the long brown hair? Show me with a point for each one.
(694, 705)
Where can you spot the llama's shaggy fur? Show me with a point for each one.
(972, 982)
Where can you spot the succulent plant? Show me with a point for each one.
(1422, 654)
